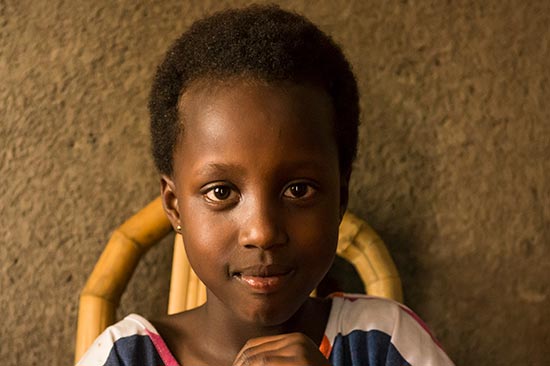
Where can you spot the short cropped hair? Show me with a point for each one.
(263, 42)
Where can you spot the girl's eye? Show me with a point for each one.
(299, 190)
(219, 193)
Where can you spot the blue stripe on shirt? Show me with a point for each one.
(366, 349)
(136, 350)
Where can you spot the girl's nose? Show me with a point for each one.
(262, 228)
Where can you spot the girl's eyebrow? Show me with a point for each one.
(226, 168)
(219, 168)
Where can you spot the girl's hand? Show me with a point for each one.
(294, 349)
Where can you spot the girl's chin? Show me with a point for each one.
(260, 310)
(263, 318)
(269, 316)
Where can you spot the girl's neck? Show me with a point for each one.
(209, 336)
(227, 334)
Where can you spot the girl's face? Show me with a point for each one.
(256, 189)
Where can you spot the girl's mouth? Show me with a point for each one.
(264, 279)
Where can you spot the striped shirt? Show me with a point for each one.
(361, 330)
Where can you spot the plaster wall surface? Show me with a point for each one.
(453, 168)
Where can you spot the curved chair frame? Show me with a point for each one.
(357, 242)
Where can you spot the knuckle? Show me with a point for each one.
(248, 344)
(301, 340)
(259, 360)
(296, 338)
(247, 356)
(250, 358)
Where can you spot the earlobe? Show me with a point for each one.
(170, 201)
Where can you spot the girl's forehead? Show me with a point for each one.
(253, 120)
(207, 101)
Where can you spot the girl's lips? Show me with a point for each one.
(263, 284)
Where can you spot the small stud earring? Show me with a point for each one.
(178, 228)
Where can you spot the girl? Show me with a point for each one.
(254, 116)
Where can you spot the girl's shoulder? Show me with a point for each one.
(365, 312)
(358, 322)
(126, 343)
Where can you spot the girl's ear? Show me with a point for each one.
(170, 201)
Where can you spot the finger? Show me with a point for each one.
(258, 345)
(292, 348)
(259, 340)
(268, 343)
(271, 359)
(275, 359)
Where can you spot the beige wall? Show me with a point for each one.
(452, 171)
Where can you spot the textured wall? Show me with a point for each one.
(452, 171)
